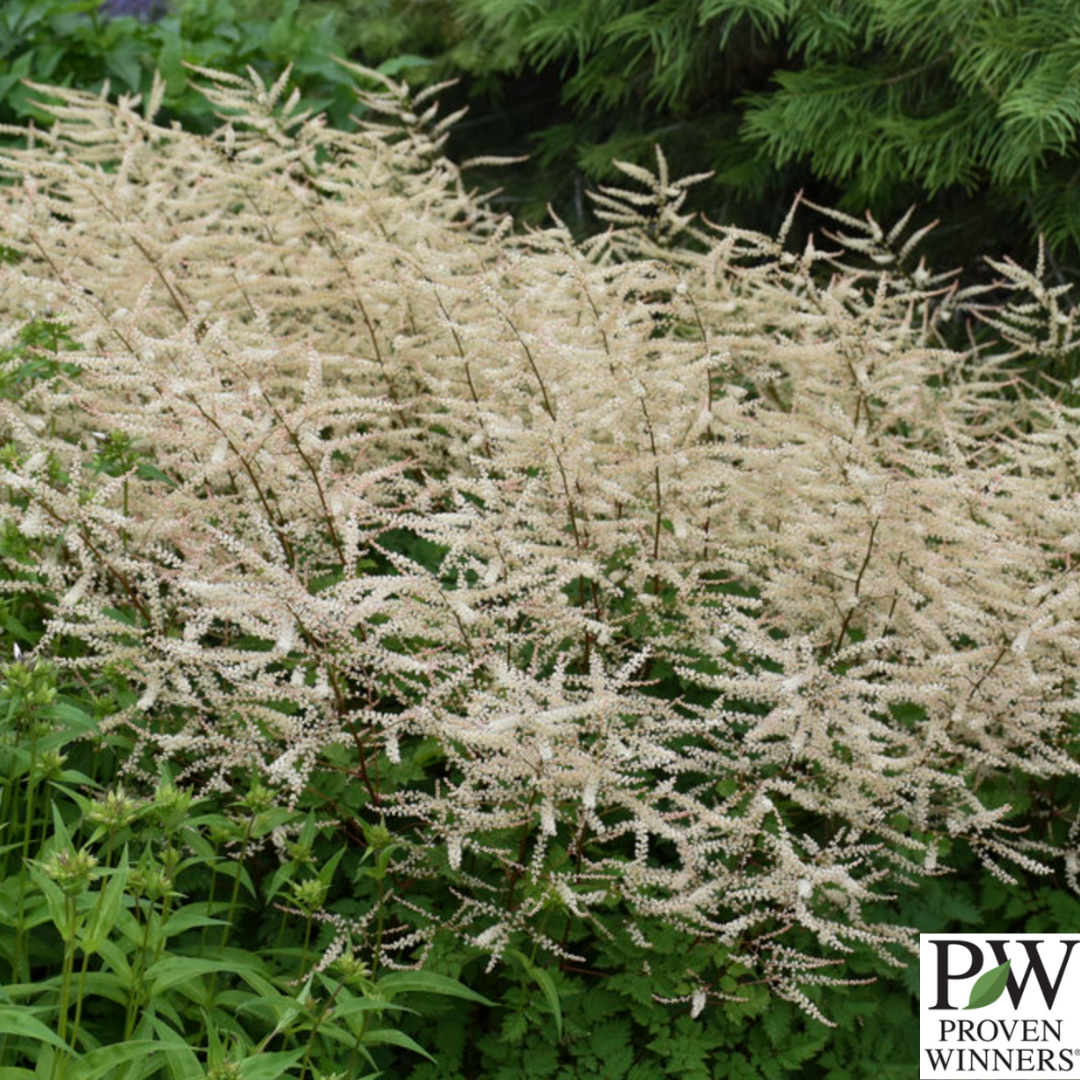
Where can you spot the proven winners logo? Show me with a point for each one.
(996, 1005)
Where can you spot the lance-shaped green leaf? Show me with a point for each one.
(989, 986)
(107, 907)
(19, 1021)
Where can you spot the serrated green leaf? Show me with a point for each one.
(776, 1022)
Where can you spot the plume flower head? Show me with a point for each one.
(701, 580)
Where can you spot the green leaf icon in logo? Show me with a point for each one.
(989, 986)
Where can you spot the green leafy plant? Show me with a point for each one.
(73, 42)
(106, 917)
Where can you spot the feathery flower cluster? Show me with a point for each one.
(677, 455)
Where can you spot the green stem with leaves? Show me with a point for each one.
(135, 997)
(28, 824)
(65, 979)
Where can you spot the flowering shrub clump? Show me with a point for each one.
(675, 577)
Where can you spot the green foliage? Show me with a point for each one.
(35, 354)
(934, 96)
(130, 933)
(68, 42)
(968, 108)
(971, 106)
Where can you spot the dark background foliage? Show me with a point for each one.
(968, 108)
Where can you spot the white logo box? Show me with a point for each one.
(999, 1005)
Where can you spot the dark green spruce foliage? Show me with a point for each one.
(969, 107)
